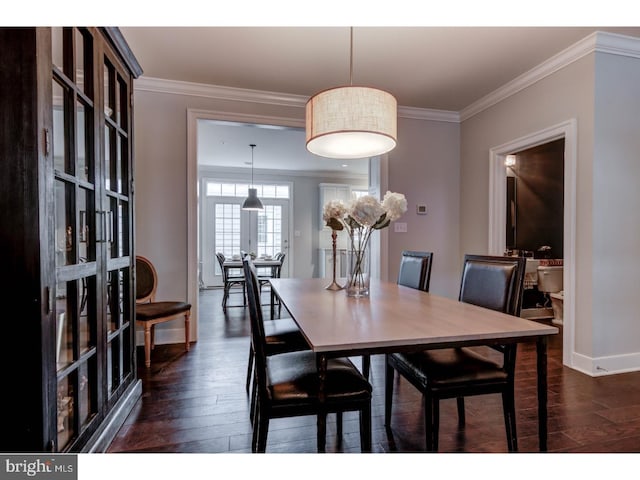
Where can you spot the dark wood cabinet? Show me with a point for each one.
(66, 215)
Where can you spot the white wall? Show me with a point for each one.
(161, 198)
(616, 203)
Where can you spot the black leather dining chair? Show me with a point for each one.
(415, 272)
(288, 384)
(415, 269)
(487, 281)
(281, 335)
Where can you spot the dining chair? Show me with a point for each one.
(415, 272)
(487, 281)
(281, 336)
(288, 384)
(230, 281)
(149, 312)
(275, 271)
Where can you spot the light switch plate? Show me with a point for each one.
(421, 209)
(400, 227)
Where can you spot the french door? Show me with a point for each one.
(229, 230)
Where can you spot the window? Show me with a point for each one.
(219, 189)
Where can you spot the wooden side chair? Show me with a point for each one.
(415, 272)
(149, 312)
(288, 384)
(487, 281)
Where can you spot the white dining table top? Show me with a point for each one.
(393, 316)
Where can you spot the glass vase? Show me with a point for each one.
(359, 274)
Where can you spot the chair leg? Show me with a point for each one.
(431, 422)
(322, 431)
(339, 426)
(187, 323)
(147, 345)
(250, 368)
(366, 365)
(461, 414)
(225, 296)
(388, 392)
(262, 426)
(508, 405)
(253, 403)
(365, 429)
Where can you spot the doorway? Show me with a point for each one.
(377, 172)
(228, 229)
(498, 212)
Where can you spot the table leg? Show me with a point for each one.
(541, 351)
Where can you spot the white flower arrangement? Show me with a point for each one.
(360, 218)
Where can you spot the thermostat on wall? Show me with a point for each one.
(421, 209)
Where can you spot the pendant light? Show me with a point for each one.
(252, 202)
(351, 121)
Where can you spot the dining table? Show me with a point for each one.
(395, 318)
(261, 264)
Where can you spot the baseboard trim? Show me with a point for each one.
(601, 366)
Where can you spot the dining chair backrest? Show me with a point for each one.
(257, 324)
(415, 269)
(493, 282)
(146, 280)
(277, 270)
(221, 258)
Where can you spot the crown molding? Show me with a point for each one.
(602, 42)
(177, 87)
(429, 114)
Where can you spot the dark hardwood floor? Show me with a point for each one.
(196, 402)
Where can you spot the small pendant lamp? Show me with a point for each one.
(351, 121)
(252, 202)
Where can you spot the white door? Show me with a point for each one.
(229, 229)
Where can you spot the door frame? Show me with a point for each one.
(193, 115)
(498, 214)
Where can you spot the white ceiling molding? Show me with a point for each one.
(596, 42)
(429, 114)
(176, 87)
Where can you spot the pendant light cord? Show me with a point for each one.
(351, 60)
(252, 147)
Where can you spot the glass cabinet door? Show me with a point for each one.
(76, 247)
(118, 212)
(93, 210)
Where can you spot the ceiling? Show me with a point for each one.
(443, 68)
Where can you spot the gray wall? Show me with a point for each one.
(616, 203)
(425, 167)
(600, 91)
(566, 94)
